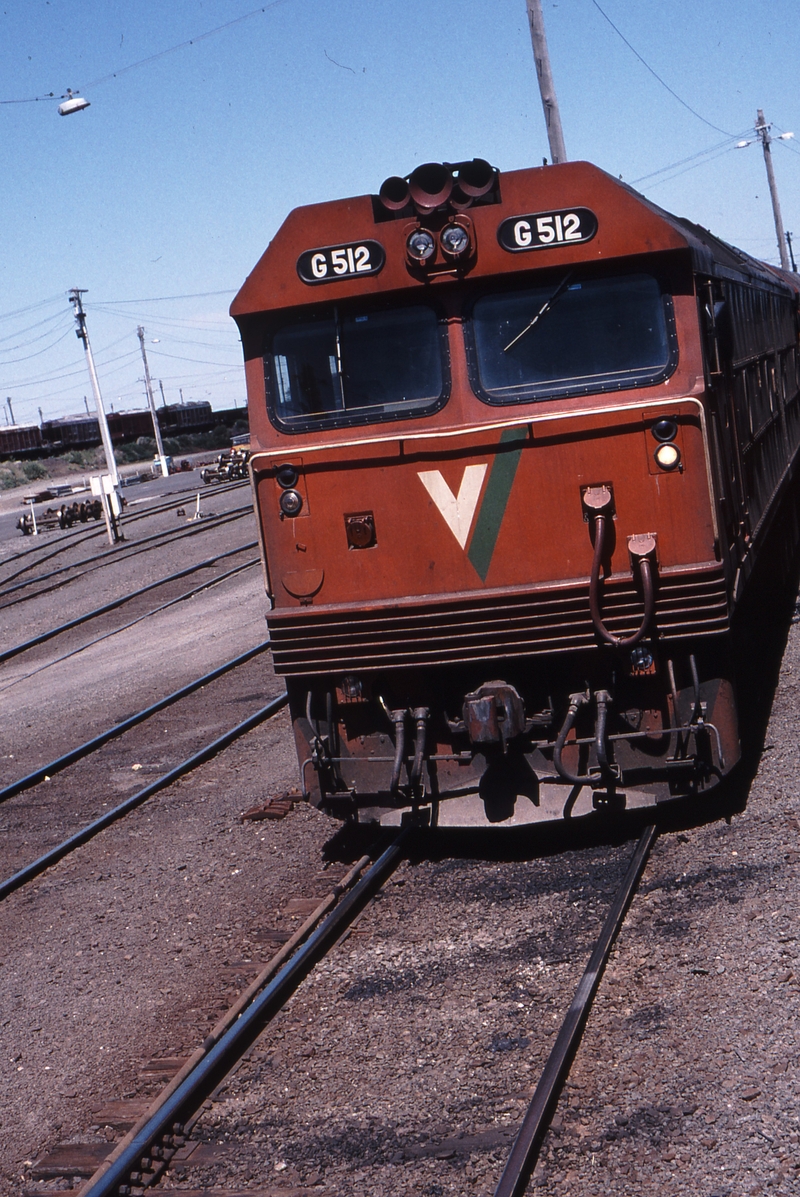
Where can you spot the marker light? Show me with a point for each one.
(420, 245)
(665, 430)
(291, 502)
(454, 240)
(668, 456)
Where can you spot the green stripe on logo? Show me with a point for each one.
(493, 507)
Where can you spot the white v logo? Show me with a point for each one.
(457, 512)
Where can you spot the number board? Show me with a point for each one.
(542, 230)
(334, 262)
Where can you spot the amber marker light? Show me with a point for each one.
(668, 456)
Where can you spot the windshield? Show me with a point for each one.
(345, 368)
(571, 337)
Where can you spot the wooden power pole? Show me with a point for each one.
(762, 129)
(541, 58)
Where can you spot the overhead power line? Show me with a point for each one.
(133, 66)
(656, 75)
(164, 298)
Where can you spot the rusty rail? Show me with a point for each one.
(91, 829)
(523, 1156)
(152, 1147)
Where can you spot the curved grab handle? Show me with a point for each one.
(640, 548)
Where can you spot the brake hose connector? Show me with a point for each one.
(398, 718)
(598, 502)
(420, 715)
(576, 701)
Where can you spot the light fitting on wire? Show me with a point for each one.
(72, 103)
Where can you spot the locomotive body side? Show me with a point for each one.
(507, 500)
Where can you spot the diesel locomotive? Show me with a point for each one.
(518, 441)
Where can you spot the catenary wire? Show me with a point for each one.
(683, 161)
(687, 169)
(655, 74)
(133, 66)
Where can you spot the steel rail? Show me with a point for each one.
(29, 872)
(136, 546)
(230, 1016)
(523, 1155)
(90, 746)
(187, 594)
(119, 602)
(213, 1068)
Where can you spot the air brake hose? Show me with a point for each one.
(421, 716)
(576, 701)
(594, 589)
(398, 718)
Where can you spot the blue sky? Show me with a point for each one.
(175, 179)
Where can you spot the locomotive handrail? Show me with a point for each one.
(594, 588)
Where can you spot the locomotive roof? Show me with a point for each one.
(627, 224)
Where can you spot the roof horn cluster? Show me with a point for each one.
(443, 186)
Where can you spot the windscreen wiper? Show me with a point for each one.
(543, 310)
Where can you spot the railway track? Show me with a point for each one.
(77, 535)
(111, 733)
(89, 830)
(160, 1135)
(124, 552)
(128, 596)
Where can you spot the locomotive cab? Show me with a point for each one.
(507, 496)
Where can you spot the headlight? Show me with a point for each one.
(668, 456)
(291, 502)
(454, 240)
(420, 245)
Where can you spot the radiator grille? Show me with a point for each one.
(490, 625)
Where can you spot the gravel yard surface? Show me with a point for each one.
(406, 1061)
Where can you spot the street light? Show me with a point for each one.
(72, 103)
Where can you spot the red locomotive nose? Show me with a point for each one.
(514, 469)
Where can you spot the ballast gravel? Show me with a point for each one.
(406, 1061)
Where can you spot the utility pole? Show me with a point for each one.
(791, 251)
(541, 59)
(162, 459)
(762, 129)
(11, 410)
(82, 335)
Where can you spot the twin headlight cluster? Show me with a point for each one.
(667, 454)
(453, 240)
